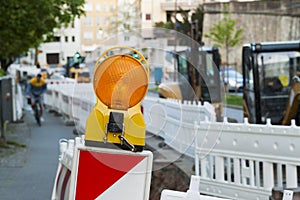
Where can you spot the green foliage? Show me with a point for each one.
(199, 16)
(154, 89)
(234, 100)
(16, 144)
(167, 25)
(223, 33)
(9, 147)
(2, 72)
(184, 26)
(25, 22)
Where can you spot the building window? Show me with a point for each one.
(88, 7)
(99, 35)
(98, 21)
(56, 39)
(113, 19)
(73, 38)
(88, 21)
(106, 21)
(112, 7)
(88, 35)
(66, 38)
(98, 6)
(105, 7)
(52, 58)
(105, 35)
(148, 16)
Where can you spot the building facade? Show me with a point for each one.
(83, 36)
(67, 42)
(117, 22)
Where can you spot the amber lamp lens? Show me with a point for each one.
(120, 82)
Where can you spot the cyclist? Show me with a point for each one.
(36, 88)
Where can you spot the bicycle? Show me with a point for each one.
(36, 110)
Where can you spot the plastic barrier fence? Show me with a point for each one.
(234, 160)
(191, 194)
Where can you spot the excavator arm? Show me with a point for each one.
(292, 108)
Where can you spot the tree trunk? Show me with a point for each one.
(227, 63)
(6, 63)
(36, 56)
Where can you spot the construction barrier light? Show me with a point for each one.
(120, 84)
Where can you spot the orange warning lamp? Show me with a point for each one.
(120, 84)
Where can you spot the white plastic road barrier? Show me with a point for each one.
(56, 89)
(245, 161)
(174, 121)
(62, 183)
(62, 179)
(86, 173)
(288, 195)
(191, 194)
(236, 160)
(83, 101)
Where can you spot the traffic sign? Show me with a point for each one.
(102, 174)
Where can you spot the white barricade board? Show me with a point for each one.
(192, 193)
(101, 173)
(176, 195)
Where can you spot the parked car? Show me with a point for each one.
(232, 79)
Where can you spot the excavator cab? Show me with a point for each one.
(198, 77)
(270, 87)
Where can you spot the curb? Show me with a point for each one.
(233, 107)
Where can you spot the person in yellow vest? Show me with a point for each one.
(36, 88)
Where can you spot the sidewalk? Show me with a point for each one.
(16, 152)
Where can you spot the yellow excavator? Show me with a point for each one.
(82, 75)
(292, 108)
(271, 72)
(75, 68)
(198, 77)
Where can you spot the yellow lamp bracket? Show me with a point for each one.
(121, 77)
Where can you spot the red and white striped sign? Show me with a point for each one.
(104, 174)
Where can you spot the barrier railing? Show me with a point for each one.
(248, 159)
(234, 160)
(174, 121)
